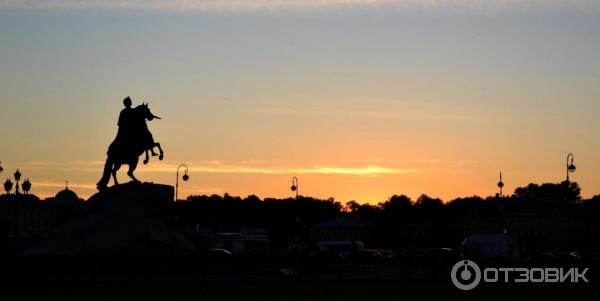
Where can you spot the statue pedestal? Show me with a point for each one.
(123, 220)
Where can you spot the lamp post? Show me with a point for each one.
(185, 178)
(26, 186)
(500, 184)
(8, 185)
(570, 166)
(297, 238)
(295, 186)
(17, 178)
(17, 220)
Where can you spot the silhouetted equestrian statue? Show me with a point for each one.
(133, 139)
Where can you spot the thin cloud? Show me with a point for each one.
(252, 6)
(199, 190)
(82, 166)
(242, 167)
(47, 188)
(368, 170)
(54, 184)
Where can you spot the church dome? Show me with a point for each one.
(67, 197)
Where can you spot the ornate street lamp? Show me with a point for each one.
(26, 186)
(17, 178)
(185, 178)
(295, 187)
(570, 166)
(8, 185)
(500, 184)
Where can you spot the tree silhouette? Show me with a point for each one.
(397, 209)
(391, 223)
(429, 208)
(564, 192)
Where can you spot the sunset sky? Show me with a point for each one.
(358, 99)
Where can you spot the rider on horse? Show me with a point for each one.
(131, 131)
(133, 139)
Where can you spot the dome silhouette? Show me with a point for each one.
(66, 196)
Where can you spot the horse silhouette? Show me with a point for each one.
(128, 147)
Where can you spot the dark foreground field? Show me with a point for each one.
(148, 290)
(181, 278)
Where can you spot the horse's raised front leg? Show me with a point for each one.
(116, 168)
(154, 154)
(162, 154)
(132, 166)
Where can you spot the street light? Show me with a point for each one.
(295, 186)
(570, 166)
(17, 178)
(26, 186)
(500, 184)
(185, 179)
(8, 185)
(297, 239)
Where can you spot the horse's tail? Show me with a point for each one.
(108, 166)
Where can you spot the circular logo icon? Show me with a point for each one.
(466, 275)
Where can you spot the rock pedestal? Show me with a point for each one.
(127, 220)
